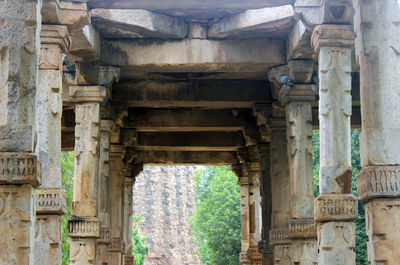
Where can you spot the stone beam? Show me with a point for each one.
(185, 157)
(193, 8)
(194, 55)
(190, 141)
(215, 94)
(254, 23)
(129, 23)
(172, 120)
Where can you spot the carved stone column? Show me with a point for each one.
(299, 132)
(50, 201)
(335, 207)
(128, 222)
(376, 25)
(84, 226)
(116, 247)
(280, 183)
(20, 25)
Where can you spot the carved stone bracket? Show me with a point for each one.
(87, 93)
(55, 34)
(84, 227)
(19, 168)
(302, 228)
(335, 207)
(379, 181)
(333, 36)
(278, 236)
(129, 260)
(104, 235)
(50, 201)
(264, 246)
(253, 254)
(299, 92)
(116, 245)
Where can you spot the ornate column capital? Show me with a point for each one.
(332, 35)
(82, 94)
(278, 236)
(19, 168)
(379, 182)
(50, 201)
(335, 207)
(300, 92)
(56, 34)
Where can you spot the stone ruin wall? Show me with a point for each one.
(164, 197)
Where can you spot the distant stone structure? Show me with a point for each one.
(150, 82)
(169, 193)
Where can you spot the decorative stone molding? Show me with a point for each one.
(304, 251)
(116, 245)
(253, 254)
(84, 227)
(19, 168)
(282, 254)
(104, 235)
(300, 71)
(87, 93)
(300, 92)
(335, 207)
(333, 36)
(129, 260)
(54, 39)
(50, 201)
(83, 251)
(378, 181)
(302, 228)
(243, 258)
(278, 236)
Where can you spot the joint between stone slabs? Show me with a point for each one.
(379, 182)
(335, 207)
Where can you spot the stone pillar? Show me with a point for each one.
(280, 183)
(298, 101)
(377, 48)
(50, 203)
(266, 202)
(84, 226)
(20, 24)
(335, 207)
(255, 211)
(116, 190)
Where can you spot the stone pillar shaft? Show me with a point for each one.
(20, 24)
(301, 227)
(128, 222)
(84, 226)
(335, 208)
(280, 182)
(377, 49)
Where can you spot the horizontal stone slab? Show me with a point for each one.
(50, 201)
(137, 23)
(258, 23)
(335, 207)
(84, 227)
(379, 182)
(302, 228)
(19, 168)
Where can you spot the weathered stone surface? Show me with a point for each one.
(379, 181)
(50, 201)
(87, 93)
(165, 215)
(83, 251)
(84, 227)
(336, 243)
(17, 218)
(282, 255)
(304, 252)
(300, 71)
(302, 228)
(48, 239)
(258, 23)
(19, 168)
(298, 45)
(331, 207)
(197, 31)
(278, 236)
(382, 217)
(333, 36)
(137, 23)
(127, 220)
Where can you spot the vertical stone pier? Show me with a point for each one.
(50, 201)
(84, 226)
(280, 180)
(20, 25)
(335, 207)
(298, 99)
(377, 31)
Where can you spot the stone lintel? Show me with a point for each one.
(379, 182)
(81, 94)
(50, 201)
(279, 236)
(19, 168)
(300, 71)
(84, 227)
(116, 245)
(55, 34)
(335, 207)
(299, 92)
(302, 228)
(333, 36)
(117, 150)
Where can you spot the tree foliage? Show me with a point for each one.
(139, 250)
(216, 222)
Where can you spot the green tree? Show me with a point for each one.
(139, 250)
(361, 237)
(67, 170)
(216, 222)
